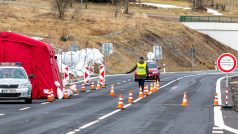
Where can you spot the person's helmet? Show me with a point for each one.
(141, 58)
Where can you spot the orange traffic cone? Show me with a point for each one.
(66, 95)
(52, 94)
(151, 88)
(155, 87)
(158, 86)
(185, 100)
(93, 86)
(74, 88)
(98, 86)
(130, 98)
(112, 93)
(49, 96)
(146, 90)
(83, 88)
(141, 95)
(216, 100)
(120, 102)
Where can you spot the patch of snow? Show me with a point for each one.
(214, 12)
(165, 6)
(211, 11)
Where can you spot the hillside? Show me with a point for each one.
(132, 35)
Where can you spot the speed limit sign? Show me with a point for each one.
(227, 63)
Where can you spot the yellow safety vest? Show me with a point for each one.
(141, 69)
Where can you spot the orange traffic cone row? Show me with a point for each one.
(141, 95)
(83, 87)
(49, 96)
(185, 100)
(158, 86)
(98, 86)
(120, 103)
(66, 95)
(93, 86)
(216, 100)
(146, 90)
(112, 93)
(151, 88)
(130, 98)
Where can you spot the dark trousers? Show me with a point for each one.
(141, 83)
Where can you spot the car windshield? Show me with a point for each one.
(16, 73)
(151, 65)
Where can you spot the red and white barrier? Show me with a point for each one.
(86, 75)
(102, 74)
(66, 73)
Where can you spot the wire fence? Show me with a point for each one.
(221, 19)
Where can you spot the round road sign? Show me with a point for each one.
(227, 63)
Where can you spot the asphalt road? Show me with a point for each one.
(96, 112)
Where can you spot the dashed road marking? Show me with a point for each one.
(1, 114)
(217, 132)
(45, 103)
(118, 83)
(24, 108)
(88, 91)
(118, 110)
(217, 128)
(124, 81)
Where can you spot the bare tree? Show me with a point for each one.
(126, 6)
(198, 4)
(61, 6)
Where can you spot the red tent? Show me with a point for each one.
(37, 58)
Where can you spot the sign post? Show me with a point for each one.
(107, 49)
(227, 63)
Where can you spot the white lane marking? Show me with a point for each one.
(124, 81)
(218, 118)
(217, 132)
(110, 114)
(45, 103)
(24, 108)
(118, 83)
(2, 114)
(217, 128)
(88, 91)
(118, 110)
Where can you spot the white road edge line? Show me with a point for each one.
(2, 114)
(118, 110)
(218, 118)
(24, 108)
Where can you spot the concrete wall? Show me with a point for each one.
(226, 33)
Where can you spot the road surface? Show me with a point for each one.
(95, 112)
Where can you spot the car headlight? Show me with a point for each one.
(25, 85)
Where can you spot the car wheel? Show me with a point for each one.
(28, 100)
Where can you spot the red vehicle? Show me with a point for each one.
(153, 70)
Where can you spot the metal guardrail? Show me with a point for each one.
(221, 19)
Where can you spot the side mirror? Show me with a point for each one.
(31, 76)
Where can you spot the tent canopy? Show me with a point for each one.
(37, 58)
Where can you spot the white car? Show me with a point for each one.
(14, 83)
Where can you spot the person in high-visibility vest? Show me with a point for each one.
(141, 72)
